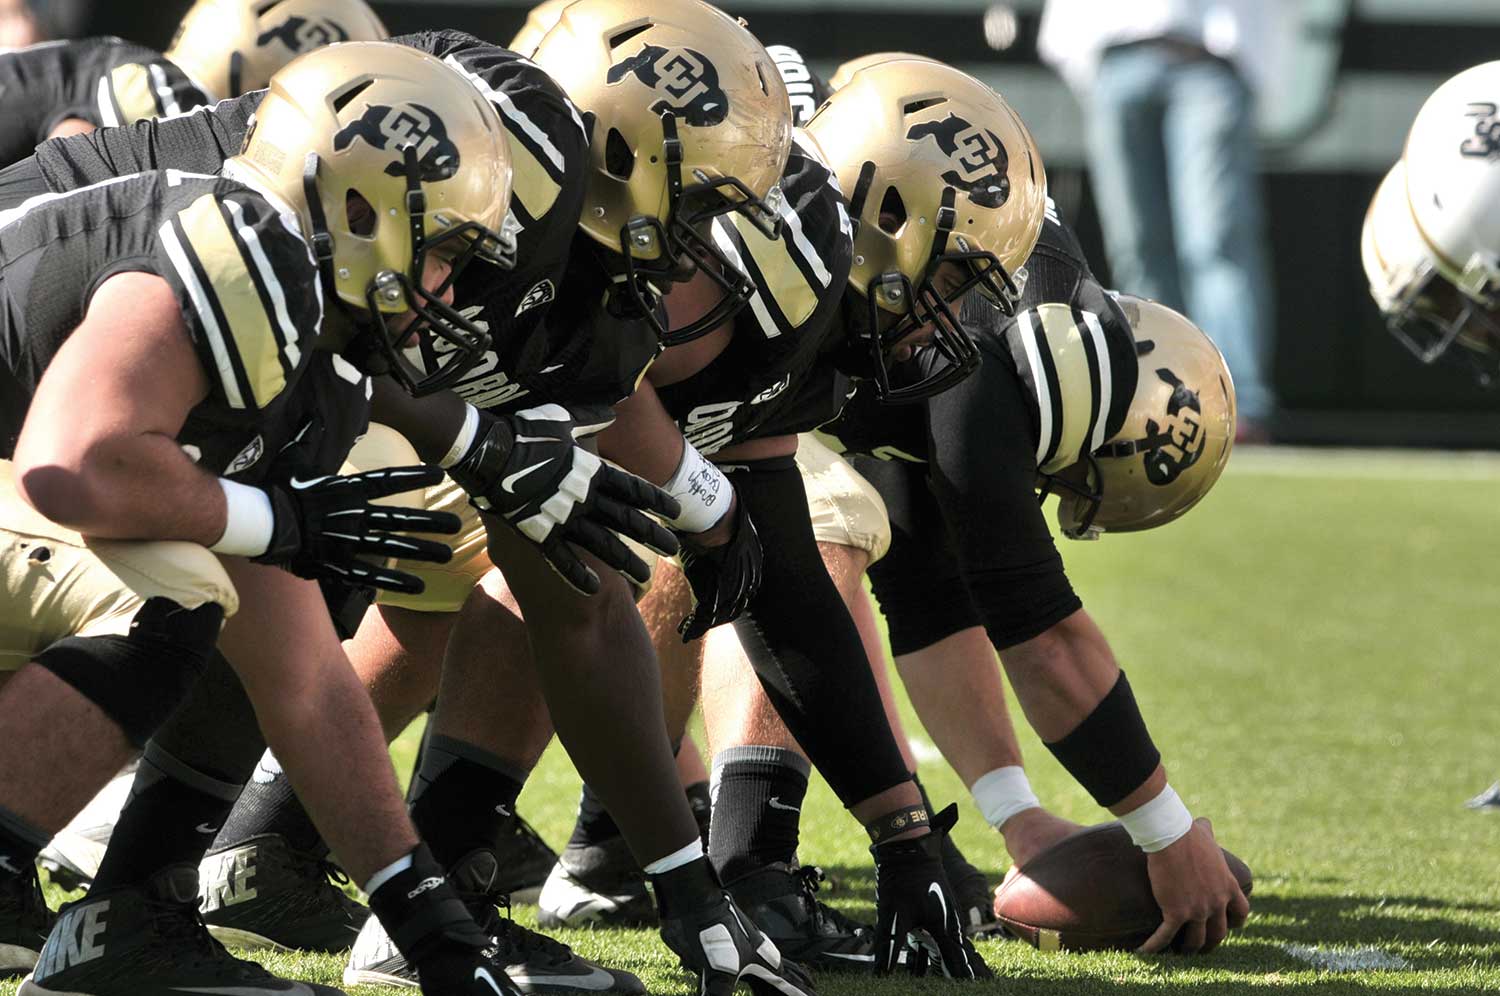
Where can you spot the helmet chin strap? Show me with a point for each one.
(322, 242)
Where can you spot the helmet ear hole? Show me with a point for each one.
(342, 100)
(360, 214)
(627, 34)
(892, 211)
(619, 161)
(922, 105)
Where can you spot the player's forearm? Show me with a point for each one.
(113, 490)
(644, 439)
(430, 424)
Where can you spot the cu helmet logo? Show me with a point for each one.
(688, 82)
(1485, 142)
(979, 159)
(1175, 444)
(397, 128)
(301, 35)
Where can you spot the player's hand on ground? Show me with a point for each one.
(723, 947)
(916, 910)
(324, 527)
(724, 575)
(1032, 831)
(1198, 895)
(529, 468)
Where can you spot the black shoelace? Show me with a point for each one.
(809, 879)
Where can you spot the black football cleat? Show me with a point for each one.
(597, 885)
(783, 903)
(147, 941)
(525, 861)
(723, 947)
(24, 922)
(261, 893)
(533, 962)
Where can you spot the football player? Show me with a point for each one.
(223, 283)
(1431, 245)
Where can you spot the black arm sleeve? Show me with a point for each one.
(983, 475)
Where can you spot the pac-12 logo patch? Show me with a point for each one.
(980, 162)
(1485, 142)
(247, 457)
(539, 294)
(688, 82)
(1176, 443)
(301, 35)
(396, 128)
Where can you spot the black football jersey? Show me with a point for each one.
(104, 81)
(775, 377)
(533, 359)
(1067, 420)
(805, 89)
(244, 277)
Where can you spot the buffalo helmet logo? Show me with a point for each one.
(1485, 142)
(400, 127)
(301, 35)
(1176, 443)
(980, 162)
(688, 82)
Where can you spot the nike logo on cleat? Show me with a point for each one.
(7, 866)
(205, 828)
(483, 975)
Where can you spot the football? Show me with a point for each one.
(1087, 892)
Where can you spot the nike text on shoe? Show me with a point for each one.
(782, 901)
(262, 893)
(534, 962)
(24, 922)
(597, 884)
(147, 941)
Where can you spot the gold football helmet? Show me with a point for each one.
(1175, 441)
(689, 120)
(844, 73)
(230, 47)
(539, 20)
(938, 170)
(387, 155)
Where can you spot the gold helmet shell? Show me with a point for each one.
(844, 73)
(1176, 439)
(231, 47)
(689, 119)
(385, 154)
(539, 20)
(938, 169)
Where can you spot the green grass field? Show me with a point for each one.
(1315, 650)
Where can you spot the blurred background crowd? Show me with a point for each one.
(1217, 155)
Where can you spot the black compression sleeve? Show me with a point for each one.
(804, 646)
(983, 473)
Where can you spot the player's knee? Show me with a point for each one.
(139, 679)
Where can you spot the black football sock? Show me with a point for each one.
(20, 842)
(268, 805)
(757, 803)
(954, 862)
(700, 799)
(594, 824)
(685, 888)
(171, 817)
(462, 797)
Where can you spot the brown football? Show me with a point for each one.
(1087, 892)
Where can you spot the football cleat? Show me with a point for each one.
(600, 884)
(24, 922)
(261, 893)
(147, 941)
(1487, 801)
(972, 891)
(783, 903)
(534, 962)
(525, 860)
(72, 858)
(723, 947)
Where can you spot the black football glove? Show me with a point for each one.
(723, 947)
(323, 525)
(528, 468)
(723, 578)
(916, 909)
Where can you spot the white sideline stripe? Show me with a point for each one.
(1347, 959)
(1363, 464)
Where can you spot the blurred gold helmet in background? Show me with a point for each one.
(231, 47)
(845, 72)
(387, 155)
(539, 20)
(689, 120)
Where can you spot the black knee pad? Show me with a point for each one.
(140, 678)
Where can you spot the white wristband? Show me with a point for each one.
(702, 490)
(1160, 823)
(464, 439)
(249, 522)
(1002, 793)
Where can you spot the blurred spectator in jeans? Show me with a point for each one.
(1168, 88)
(18, 27)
